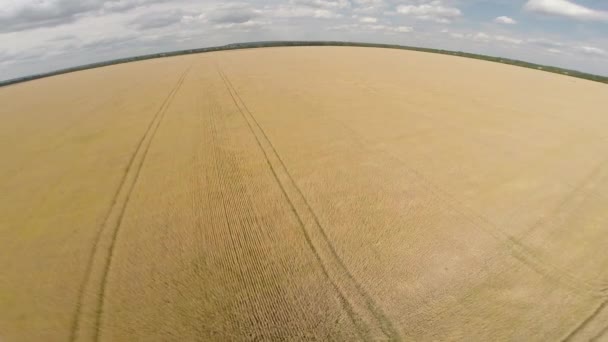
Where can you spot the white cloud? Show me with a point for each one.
(570, 48)
(20, 15)
(157, 20)
(390, 29)
(565, 8)
(378, 28)
(508, 39)
(301, 12)
(592, 50)
(480, 36)
(369, 2)
(485, 38)
(430, 10)
(233, 13)
(327, 4)
(368, 6)
(403, 29)
(325, 14)
(343, 27)
(319, 9)
(42, 35)
(547, 43)
(505, 20)
(244, 26)
(199, 18)
(369, 20)
(117, 5)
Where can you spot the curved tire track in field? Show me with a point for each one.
(586, 183)
(518, 249)
(585, 322)
(243, 232)
(143, 145)
(382, 321)
(361, 330)
(599, 335)
(515, 247)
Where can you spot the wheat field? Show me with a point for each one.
(305, 193)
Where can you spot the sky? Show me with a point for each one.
(43, 35)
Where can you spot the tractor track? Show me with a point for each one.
(382, 322)
(585, 322)
(116, 205)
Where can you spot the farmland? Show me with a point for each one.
(304, 193)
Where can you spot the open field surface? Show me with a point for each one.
(305, 193)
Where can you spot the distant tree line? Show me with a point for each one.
(262, 44)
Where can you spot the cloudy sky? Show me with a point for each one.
(43, 35)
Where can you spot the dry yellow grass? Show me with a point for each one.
(310, 193)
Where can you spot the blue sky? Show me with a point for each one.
(43, 35)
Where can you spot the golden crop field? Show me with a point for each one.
(305, 193)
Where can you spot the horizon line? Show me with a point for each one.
(294, 43)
